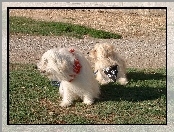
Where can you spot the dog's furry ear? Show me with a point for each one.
(61, 62)
(109, 51)
(65, 65)
(92, 54)
(66, 62)
(45, 61)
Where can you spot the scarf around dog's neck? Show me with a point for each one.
(76, 67)
(111, 72)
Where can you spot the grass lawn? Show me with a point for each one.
(29, 26)
(33, 100)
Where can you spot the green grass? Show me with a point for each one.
(32, 100)
(29, 26)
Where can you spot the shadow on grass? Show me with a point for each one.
(148, 76)
(142, 86)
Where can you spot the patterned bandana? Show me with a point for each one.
(111, 72)
(76, 67)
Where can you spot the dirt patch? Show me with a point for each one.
(144, 34)
(129, 23)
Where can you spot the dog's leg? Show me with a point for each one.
(61, 91)
(122, 81)
(101, 78)
(88, 99)
(67, 97)
(122, 78)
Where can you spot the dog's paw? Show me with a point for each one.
(88, 101)
(65, 104)
(103, 82)
(122, 81)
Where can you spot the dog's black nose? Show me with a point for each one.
(43, 71)
(35, 67)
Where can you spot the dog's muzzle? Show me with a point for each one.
(41, 71)
(35, 67)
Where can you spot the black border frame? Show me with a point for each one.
(8, 8)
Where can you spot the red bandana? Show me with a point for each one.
(76, 66)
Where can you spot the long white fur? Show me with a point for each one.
(103, 56)
(58, 64)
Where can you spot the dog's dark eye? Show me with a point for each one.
(45, 61)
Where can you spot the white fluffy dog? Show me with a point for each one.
(109, 66)
(75, 73)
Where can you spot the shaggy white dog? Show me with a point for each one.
(75, 73)
(109, 66)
